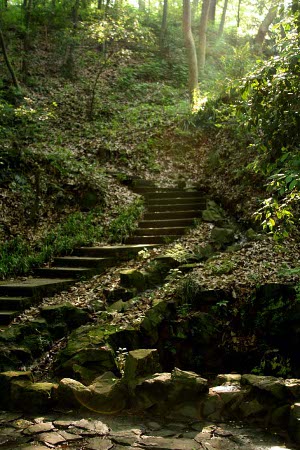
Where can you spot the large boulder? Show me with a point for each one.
(139, 364)
(221, 237)
(294, 423)
(107, 394)
(269, 387)
(32, 397)
(213, 213)
(87, 347)
(66, 313)
(171, 392)
(6, 379)
(133, 279)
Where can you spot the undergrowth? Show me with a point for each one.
(19, 257)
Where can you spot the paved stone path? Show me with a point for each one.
(128, 432)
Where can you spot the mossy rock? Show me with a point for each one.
(133, 279)
(31, 397)
(65, 312)
(159, 312)
(141, 363)
(84, 375)
(222, 236)
(14, 356)
(213, 213)
(294, 422)
(6, 379)
(106, 395)
(269, 387)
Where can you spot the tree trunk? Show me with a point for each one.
(26, 41)
(238, 19)
(202, 34)
(142, 6)
(222, 23)
(7, 61)
(296, 13)
(163, 30)
(212, 11)
(191, 53)
(265, 25)
(99, 4)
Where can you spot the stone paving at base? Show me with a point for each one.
(129, 432)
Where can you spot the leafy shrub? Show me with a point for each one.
(121, 227)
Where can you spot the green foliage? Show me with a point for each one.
(272, 363)
(121, 227)
(18, 256)
(217, 267)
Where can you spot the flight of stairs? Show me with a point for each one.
(169, 212)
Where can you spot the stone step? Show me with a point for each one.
(171, 215)
(144, 190)
(162, 195)
(160, 231)
(83, 261)
(176, 201)
(65, 272)
(157, 240)
(120, 252)
(166, 223)
(174, 207)
(7, 316)
(15, 303)
(34, 287)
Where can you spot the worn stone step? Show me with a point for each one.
(15, 303)
(167, 223)
(34, 287)
(65, 272)
(162, 195)
(144, 190)
(176, 201)
(120, 252)
(174, 207)
(83, 261)
(160, 231)
(171, 215)
(157, 240)
(7, 316)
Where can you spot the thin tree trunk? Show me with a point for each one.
(163, 30)
(238, 19)
(7, 61)
(26, 41)
(296, 9)
(202, 35)
(191, 53)
(265, 25)
(222, 23)
(142, 6)
(212, 11)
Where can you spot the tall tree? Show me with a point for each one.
(163, 30)
(265, 25)
(238, 19)
(7, 61)
(191, 53)
(27, 5)
(212, 11)
(223, 17)
(202, 34)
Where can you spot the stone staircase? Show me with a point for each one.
(169, 212)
